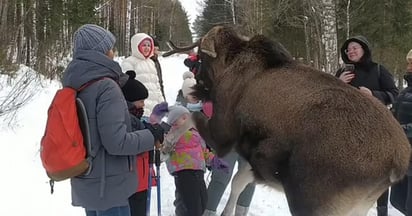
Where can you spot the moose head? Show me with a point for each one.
(221, 47)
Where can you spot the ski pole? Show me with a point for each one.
(157, 163)
(149, 190)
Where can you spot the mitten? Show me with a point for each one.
(156, 130)
(159, 111)
(218, 163)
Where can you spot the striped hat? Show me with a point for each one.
(93, 37)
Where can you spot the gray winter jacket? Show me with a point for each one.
(113, 177)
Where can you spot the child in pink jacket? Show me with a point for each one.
(186, 159)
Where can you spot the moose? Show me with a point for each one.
(330, 148)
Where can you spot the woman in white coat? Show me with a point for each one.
(142, 49)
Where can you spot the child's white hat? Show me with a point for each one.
(188, 82)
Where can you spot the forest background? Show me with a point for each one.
(38, 33)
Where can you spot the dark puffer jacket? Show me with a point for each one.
(402, 110)
(403, 106)
(370, 74)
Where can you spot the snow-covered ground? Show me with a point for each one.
(24, 188)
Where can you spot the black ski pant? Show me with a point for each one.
(191, 195)
(137, 203)
(383, 199)
(409, 198)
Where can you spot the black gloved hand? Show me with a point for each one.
(156, 130)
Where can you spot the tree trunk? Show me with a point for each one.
(348, 19)
(232, 6)
(3, 15)
(128, 20)
(329, 35)
(171, 20)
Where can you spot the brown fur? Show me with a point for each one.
(328, 145)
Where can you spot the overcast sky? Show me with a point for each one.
(192, 7)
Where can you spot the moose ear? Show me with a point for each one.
(208, 46)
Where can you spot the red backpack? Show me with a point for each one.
(66, 142)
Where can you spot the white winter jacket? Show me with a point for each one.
(145, 71)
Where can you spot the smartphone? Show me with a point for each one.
(349, 67)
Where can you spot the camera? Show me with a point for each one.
(166, 127)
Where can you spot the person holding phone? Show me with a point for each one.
(363, 73)
(371, 79)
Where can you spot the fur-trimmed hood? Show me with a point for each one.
(135, 43)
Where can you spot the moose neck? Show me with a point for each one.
(229, 86)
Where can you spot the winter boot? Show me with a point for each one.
(241, 210)
(209, 213)
(382, 210)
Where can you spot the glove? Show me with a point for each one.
(159, 111)
(157, 131)
(218, 163)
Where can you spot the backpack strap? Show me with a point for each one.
(390, 95)
(84, 124)
(90, 83)
(85, 128)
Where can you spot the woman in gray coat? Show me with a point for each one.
(105, 191)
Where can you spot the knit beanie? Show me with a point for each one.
(134, 90)
(188, 82)
(93, 37)
(409, 55)
(175, 112)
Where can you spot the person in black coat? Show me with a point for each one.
(402, 110)
(361, 72)
(155, 59)
(371, 79)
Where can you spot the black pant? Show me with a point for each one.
(383, 199)
(137, 203)
(191, 195)
(408, 204)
